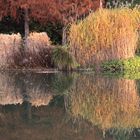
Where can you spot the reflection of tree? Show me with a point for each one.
(107, 103)
(25, 96)
(27, 110)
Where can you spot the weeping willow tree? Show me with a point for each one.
(106, 103)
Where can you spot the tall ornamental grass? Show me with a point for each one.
(8, 45)
(38, 40)
(36, 55)
(107, 34)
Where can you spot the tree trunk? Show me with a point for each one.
(26, 27)
(101, 4)
(64, 36)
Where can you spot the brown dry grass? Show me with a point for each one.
(9, 44)
(13, 55)
(38, 41)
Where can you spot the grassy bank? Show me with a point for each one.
(42, 55)
(127, 68)
(131, 64)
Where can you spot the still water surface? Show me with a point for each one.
(62, 106)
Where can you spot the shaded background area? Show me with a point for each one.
(54, 31)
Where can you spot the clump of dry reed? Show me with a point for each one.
(37, 41)
(107, 34)
(138, 48)
(9, 44)
(32, 59)
(38, 53)
(13, 54)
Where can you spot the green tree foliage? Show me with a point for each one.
(122, 2)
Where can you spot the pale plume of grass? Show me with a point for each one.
(7, 40)
(8, 45)
(38, 40)
(36, 55)
(14, 41)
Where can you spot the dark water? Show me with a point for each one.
(61, 106)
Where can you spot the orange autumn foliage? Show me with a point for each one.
(46, 10)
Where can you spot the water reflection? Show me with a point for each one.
(108, 103)
(35, 106)
(36, 88)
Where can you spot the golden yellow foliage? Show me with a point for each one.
(104, 35)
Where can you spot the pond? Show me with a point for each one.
(68, 106)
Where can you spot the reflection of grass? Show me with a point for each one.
(61, 82)
(37, 88)
(126, 75)
(55, 83)
(47, 123)
(107, 103)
